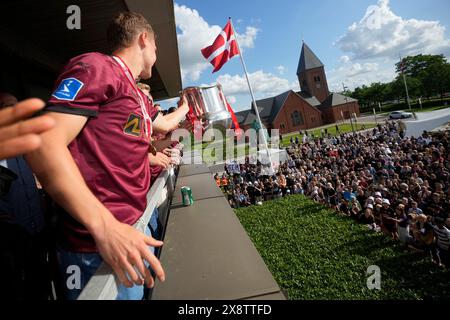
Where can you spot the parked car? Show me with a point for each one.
(400, 115)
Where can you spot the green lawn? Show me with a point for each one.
(315, 254)
(344, 128)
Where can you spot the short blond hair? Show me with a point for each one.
(124, 28)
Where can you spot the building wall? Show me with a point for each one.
(333, 115)
(322, 92)
(310, 115)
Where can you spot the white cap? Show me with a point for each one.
(378, 194)
(370, 206)
(386, 201)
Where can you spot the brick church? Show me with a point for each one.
(311, 107)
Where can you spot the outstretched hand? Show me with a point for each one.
(19, 135)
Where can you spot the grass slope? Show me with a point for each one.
(315, 254)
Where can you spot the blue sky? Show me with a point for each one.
(356, 48)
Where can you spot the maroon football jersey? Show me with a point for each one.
(111, 150)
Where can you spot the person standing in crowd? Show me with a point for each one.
(224, 182)
(415, 209)
(443, 242)
(403, 224)
(164, 123)
(217, 180)
(98, 170)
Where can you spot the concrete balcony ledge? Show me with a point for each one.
(207, 254)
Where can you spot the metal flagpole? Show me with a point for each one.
(406, 86)
(253, 97)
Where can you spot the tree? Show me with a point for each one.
(426, 75)
(398, 87)
(388, 92)
(436, 80)
(375, 92)
(430, 70)
(360, 94)
(414, 66)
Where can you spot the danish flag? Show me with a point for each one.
(223, 49)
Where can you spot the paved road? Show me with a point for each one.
(371, 118)
(427, 121)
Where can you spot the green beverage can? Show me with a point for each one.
(186, 195)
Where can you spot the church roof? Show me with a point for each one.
(308, 60)
(335, 99)
(311, 100)
(241, 115)
(269, 108)
(264, 108)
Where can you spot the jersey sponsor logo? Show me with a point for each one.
(133, 125)
(68, 89)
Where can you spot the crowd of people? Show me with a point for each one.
(395, 184)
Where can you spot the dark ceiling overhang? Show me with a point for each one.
(36, 31)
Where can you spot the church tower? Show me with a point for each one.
(311, 75)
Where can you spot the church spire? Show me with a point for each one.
(308, 60)
(311, 75)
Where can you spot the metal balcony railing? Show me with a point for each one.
(104, 284)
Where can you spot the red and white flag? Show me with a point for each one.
(223, 49)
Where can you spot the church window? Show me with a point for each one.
(317, 81)
(297, 118)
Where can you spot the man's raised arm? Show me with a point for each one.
(170, 122)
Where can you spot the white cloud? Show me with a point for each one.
(359, 69)
(344, 59)
(263, 84)
(194, 33)
(247, 40)
(357, 74)
(372, 46)
(382, 33)
(166, 104)
(281, 70)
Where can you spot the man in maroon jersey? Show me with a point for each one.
(94, 163)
